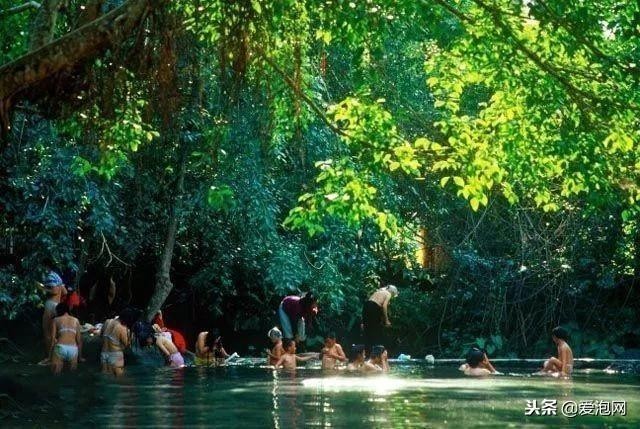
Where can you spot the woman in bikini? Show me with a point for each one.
(67, 340)
(116, 336)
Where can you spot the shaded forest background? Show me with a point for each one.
(214, 156)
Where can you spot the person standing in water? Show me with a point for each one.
(297, 313)
(116, 336)
(67, 340)
(55, 289)
(332, 352)
(375, 315)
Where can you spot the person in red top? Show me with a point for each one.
(298, 312)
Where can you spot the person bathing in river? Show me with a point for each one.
(289, 359)
(67, 340)
(477, 363)
(357, 360)
(209, 348)
(55, 290)
(162, 340)
(332, 352)
(375, 315)
(562, 366)
(276, 352)
(297, 313)
(116, 336)
(379, 359)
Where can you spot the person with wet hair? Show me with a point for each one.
(357, 359)
(209, 348)
(67, 340)
(563, 364)
(276, 352)
(375, 315)
(477, 363)
(379, 359)
(297, 312)
(116, 336)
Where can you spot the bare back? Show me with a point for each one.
(380, 296)
(67, 329)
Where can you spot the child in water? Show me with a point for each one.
(477, 363)
(332, 352)
(276, 352)
(563, 364)
(289, 359)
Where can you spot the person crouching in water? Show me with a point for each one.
(116, 336)
(67, 340)
(379, 358)
(477, 363)
(276, 352)
(332, 352)
(162, 340)
(289, 359)
(209, 349)
(563, 364)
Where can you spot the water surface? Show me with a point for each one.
(248, 396)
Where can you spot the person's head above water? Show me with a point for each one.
(274, 334)
(213, 338)
(330, 339)
(289, 345)
(474, 357)
(560, 333)
(376, 351)
(356, 353)
(61, 309)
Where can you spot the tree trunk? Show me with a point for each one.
(163, 277)
(68, 51)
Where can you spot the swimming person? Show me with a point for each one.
(209, 348)
(332, 352)
(116, 336)
(477, 363)
(375, 315)
(55, 289)
(298, 312)
(563, 364)
(67, 340)
(276, 352)
(289, 359)
(379, 359)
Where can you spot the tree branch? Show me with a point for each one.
(18, 9)
(298, 91)
(69, 51)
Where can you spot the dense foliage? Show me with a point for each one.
(482, 155)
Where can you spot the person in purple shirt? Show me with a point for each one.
(298, 312)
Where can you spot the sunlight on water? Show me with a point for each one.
(248, 397)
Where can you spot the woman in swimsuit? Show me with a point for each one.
(67, 340)
(115, 338)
